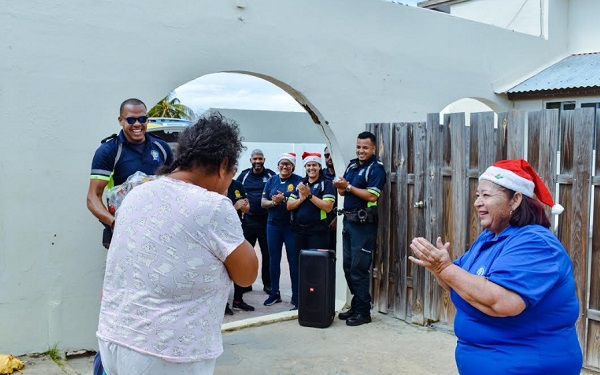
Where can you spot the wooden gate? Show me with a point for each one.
(433, 172)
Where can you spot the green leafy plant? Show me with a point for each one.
(171, 107)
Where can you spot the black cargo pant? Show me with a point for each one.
(255, 228)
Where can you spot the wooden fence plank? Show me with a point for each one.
(515, 135)
(582, 167)
(401, 244)
(593, 312)
(483, 153)
(418, 218)
(437, 296)
(459, 184)
(380, 269)
(384, 152)
(593, 345)
(447, 309)
(543, 129)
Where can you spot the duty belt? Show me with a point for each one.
(360, 216)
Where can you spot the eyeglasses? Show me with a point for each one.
(285, 165)
(132, 120)
(326, 155)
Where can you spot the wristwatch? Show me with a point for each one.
(309, 197)
(348, 188)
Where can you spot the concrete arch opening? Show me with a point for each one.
(275, 118)
(468, 106)
(267, 109)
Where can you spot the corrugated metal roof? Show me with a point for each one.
(575, 71)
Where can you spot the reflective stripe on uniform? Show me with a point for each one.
(99, 177)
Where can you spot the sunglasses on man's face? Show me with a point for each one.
(132, 120)
(326, 156)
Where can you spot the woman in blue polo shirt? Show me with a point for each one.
(310, 203)
(514, 290)
(275, 194)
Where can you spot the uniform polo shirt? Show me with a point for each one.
(307, 213)
(254, 184)
(145, 157)
(236, 192)
(531, 262)
(279, 215)
(370, 175)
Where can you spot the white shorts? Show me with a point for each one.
(119, 360)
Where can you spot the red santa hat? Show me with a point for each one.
(291, 156)
(518, 175)
(307, 157)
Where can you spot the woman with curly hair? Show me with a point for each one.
(177, 245)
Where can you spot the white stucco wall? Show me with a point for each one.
(275, 126)
(584, 28)
(66, 67)
(524, 16)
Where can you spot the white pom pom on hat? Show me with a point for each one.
(519, 175)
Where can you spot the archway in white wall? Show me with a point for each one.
(270, 112)
(273, 117)
(468, 106)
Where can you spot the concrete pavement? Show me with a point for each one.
(269, 340)
(277, 344)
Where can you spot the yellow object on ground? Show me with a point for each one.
(8, 364)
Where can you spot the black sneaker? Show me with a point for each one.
(228, 310)
(267, 289)
(273, 299)
(242, 306)
(294, 308)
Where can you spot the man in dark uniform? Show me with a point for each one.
(329, 173)
(255, 221)
(361, 185)
(120, 156)
(237, 194)
(117, 158)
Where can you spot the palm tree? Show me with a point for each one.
(170, 106)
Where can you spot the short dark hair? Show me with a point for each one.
(530, 211)
(367, 135)
(131, 101)
(213, 139)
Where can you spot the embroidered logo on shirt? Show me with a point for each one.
(290, 187)
(480, 271)
(155, 155)
(238, 195)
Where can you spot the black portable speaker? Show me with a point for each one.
(316, 304)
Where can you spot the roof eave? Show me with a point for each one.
(543, 94)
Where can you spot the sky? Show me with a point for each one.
(232, 90)
(239, 91)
